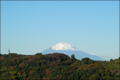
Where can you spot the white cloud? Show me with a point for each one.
(63, 46)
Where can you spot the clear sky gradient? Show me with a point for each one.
(29, 27)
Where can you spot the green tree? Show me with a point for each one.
(95, 77)
(76, 63)
(38, 54)
(111, 60)
(107, 72)
(73, 57)
(86, 60)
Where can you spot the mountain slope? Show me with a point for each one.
(69, 50)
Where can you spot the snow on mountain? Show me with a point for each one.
(63, 46)
(69, 50)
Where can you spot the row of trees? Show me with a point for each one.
(56, 66)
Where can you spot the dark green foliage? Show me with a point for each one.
(50, 69)
(56, 66)
(38, 54)
(85, 60)
(66, 68)
(73, 57)
(5, 55)
(0, 54)
(94, 77)
(111, 60)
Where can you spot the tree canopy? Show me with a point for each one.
(56, 66)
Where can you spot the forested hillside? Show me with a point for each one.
(56, 66)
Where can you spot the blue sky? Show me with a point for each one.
(28, 27)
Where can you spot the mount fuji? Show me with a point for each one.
(68, 49)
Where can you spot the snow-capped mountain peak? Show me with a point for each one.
(63, 46)
(68, 49)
